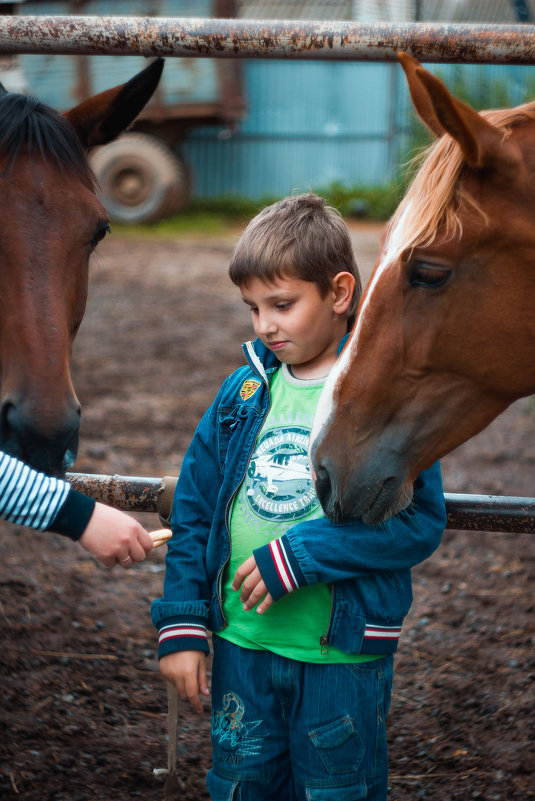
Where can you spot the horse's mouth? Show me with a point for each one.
(373, 505)
(389, 501)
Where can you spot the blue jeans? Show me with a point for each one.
(284, 730)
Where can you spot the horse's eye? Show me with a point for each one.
(100, 233)
(429, 276)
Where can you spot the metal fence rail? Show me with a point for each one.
(244, 38)
(465, 512)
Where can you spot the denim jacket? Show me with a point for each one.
(367, 567)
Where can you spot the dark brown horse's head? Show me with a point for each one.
(445, 335)
(51, 220)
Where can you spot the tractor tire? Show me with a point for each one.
(141, 179)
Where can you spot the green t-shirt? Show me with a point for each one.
(277, 493)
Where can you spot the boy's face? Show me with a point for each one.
(295, 322)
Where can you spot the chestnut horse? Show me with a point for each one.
(50, 222)
(445, 334)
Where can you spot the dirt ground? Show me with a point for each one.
(83, 706)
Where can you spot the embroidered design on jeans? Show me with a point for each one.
(235, 736)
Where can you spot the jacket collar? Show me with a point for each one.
(262, 360)
(342, 343)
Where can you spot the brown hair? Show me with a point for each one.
(297, 237)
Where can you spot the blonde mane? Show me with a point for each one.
(434, 196)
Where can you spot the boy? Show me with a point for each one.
(300, 692)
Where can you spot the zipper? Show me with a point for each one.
(324, 643)
(229, 506)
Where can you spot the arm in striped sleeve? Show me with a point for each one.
(30, 498)
(318, 550)
(279, 568)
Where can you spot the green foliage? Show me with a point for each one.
(367, 202)
(372, 202)
(187, 223)
(229, 206)
(214, 216)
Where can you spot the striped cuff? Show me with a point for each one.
(279, 568)
(182, 633)
(380, 639)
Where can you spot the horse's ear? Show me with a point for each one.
(420, 97)
(103, 117)
(482, 144)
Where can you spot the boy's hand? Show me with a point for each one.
(187, 671)
(253, 589)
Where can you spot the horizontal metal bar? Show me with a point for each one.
(130, 493)
(244, 38)
(465, 512)
(490, 513)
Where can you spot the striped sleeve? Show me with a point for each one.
(279, 568)
(27, 497)
(30, 498)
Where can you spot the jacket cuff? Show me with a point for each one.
(74, 515)
(279, 568)
(182, 633)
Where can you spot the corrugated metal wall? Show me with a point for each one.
(309, 124)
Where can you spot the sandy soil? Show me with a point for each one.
(83, 706)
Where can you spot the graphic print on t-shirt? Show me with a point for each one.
(278, 485)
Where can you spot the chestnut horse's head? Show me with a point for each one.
(50, 222)
(445, 335)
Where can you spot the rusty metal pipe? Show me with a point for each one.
(280, 39)
(490, 513)
(130, 493)
(465, 512)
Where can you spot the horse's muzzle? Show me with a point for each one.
(50, 446)
(347, 493)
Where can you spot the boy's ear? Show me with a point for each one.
(343, 289)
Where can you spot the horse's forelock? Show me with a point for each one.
(26, 122)
(432, 200)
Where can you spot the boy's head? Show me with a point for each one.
(297, 237)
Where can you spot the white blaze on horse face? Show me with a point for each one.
(394, 247)
(325, 403)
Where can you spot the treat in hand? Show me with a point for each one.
(160, 536)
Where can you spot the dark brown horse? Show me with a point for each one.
(51, 220)
(445, 335)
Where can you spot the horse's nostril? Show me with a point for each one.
(321, 471)
(7, 429)
(323, 483)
